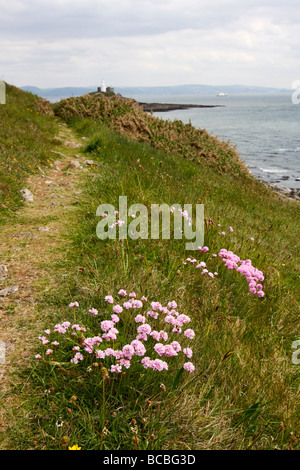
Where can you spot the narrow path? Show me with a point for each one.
(28, 247)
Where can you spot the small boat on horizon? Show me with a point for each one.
(222, 94)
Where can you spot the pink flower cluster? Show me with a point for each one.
(171, 323)
(253, 276)
(201, 264)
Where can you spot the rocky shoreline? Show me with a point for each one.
(290, 193)
(163, 107)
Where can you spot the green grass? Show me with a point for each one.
(243, 393)
(26, 137)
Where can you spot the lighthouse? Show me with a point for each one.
(103, 87)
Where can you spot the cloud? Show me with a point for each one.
(160, 42)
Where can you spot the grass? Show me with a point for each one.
(27, 132)
(243, 393)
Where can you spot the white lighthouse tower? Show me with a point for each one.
(103, 87)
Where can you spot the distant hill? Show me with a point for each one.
(58, 93)
(55, 94)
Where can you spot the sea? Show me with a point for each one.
(263, 127)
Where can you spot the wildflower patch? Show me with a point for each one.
(161, 334)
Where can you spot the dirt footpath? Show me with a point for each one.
(28, 247)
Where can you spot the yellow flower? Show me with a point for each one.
(75, 447)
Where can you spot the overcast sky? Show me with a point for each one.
(57, 43)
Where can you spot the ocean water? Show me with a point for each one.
(264, 128)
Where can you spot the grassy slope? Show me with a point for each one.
(25, 139)
(244, 399)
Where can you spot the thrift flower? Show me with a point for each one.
(189, 366)
(93, 311)
(189, 333)
(117, 309)
(188, 352)
(122, 292)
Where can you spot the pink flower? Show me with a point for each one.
(156, 306)
(138, 347)
(260, 293)
(155, 334)
(142, 337)
(49, 352)
(111, 334)
(204, 249)
(88, 345)
(145, 328)
(153, 314)
(170, 319)
(93, 311)
(100, 354)
(160, 365)
(202, 264)
(55, 343)
(38, 356)
(172, 304)
(189, 333)
(136, 303)
(77, 327)
(169, 351)
(230, 229)
(125, 363)
(117, 309)
(117, 369)
(96, 340)
(43, 339)
(189, 366)
(146, 361)
(128, 351)
(122, 292)
(159, 348)
(78, 357)
(106, 325)
(188, 352)
(132, 294)
(163, 335)
(74, 304)
(118, 354)
(109, 299)
(59, 329)
(115, 318)
(127, 305)
(47, 332)
(109, 352)
(140, 319)
(176, 346)
(176, 329)
(181, 319)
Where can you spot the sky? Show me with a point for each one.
(59, 43)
